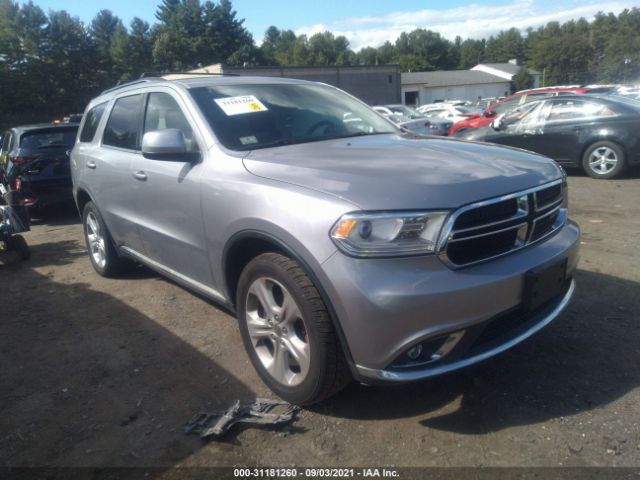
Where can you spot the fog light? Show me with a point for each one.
(414, 352)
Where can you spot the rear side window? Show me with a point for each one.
(91, 123)
(571, 109)
(123, 126)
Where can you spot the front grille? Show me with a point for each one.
(495, 227)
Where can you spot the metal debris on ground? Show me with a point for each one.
(215, 424)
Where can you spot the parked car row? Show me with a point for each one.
(448, 111)
(414, 121)
(597, 133)
(34, 160)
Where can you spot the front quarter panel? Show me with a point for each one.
(235, 201)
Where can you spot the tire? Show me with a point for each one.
(287, 331)
(604, 160)
(103, 255)
(19, 244)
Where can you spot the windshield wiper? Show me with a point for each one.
(282, 142)
(355, 134)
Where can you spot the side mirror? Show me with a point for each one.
(168, 144)
(497, 123)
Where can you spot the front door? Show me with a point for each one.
(168, 195)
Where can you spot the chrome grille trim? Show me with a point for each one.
(556, 201)
(480, 235)
(528, 210)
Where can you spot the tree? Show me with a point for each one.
(521, 80)
(422, 50)
(471, 53)
(326, 49)
(225, 32)
(140, 47)
(507, 45)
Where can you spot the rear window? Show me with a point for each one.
(91, 123)
(123, 126)
(51, 138)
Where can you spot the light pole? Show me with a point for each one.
(627, 61)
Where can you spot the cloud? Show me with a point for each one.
(470, 21)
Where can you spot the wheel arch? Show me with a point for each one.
(82, 198)
(595, 140)
(244, 246)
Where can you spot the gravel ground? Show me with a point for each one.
(105, 372)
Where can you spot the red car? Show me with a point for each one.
(506, 104)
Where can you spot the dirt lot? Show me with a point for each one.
(98, 372)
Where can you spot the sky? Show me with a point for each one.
(372, 22)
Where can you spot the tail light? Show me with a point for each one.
(18, 160)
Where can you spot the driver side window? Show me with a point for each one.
(164, 112)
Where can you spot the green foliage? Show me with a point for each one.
(52, 64)
(505, 46)
(521, 80)
(471, 53)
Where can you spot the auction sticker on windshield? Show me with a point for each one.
(239, 105)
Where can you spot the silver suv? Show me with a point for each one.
(348, 248)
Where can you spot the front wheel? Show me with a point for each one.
(603, 160)
(287, 331)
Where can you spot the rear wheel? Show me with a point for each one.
(603, 160)
(102, 253)
(287, 331)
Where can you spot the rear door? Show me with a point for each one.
(564, 125)
(109, 172)
(168, 200)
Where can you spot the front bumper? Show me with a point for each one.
(386, 306)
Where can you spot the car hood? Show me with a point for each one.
(392, 172)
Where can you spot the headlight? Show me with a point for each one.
(388, 234)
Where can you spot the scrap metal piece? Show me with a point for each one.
(215, 424)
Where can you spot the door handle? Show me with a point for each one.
(140, 175)
(91, 164)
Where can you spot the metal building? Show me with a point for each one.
(373, 84)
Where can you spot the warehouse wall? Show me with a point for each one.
(373, 84)
(459, 92)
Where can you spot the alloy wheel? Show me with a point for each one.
(96, 240)
(277, 331)
(603, 160)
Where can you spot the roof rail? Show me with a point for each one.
(121, 84)
(162, 74)
(151, 76)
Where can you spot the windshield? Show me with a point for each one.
(249, 117)
(53, 138)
